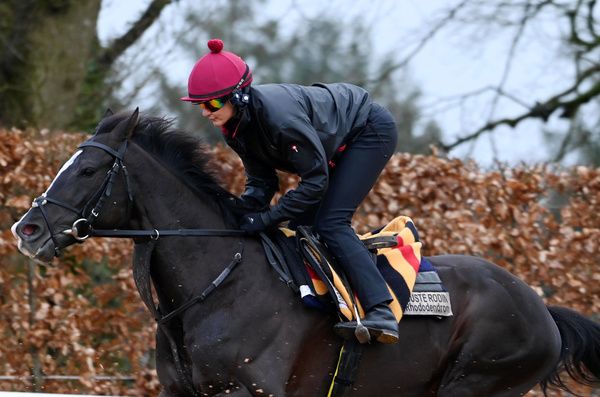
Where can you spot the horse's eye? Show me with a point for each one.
(87, 171)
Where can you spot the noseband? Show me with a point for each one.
(82, 227)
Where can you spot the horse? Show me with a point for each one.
(248, 334)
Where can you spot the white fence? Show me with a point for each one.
(58, 377)
(37, 376)
(15, 394)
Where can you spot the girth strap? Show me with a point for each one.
(277, 261)
(345, 371)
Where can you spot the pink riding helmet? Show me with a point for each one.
(217, 74)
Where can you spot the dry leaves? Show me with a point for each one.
(540, 222)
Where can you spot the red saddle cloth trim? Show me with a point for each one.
(403, 262)
(409, 254)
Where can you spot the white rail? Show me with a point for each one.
(16, 394)
(68, 377)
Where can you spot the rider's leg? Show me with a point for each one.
(351, 180)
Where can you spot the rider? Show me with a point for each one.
(331, 135)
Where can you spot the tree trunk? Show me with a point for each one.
(47, 47)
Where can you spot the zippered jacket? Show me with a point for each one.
(297, 129)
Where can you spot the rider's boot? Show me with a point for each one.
(379, 320)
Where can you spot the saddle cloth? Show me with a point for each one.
(414, 284)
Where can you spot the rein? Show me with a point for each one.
(155, 234)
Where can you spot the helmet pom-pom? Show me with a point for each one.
(215, 45)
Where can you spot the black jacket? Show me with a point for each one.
(297, 129)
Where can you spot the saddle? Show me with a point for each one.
(307, 266)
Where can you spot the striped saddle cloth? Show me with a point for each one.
(413, 282)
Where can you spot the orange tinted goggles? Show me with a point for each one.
(213, 105)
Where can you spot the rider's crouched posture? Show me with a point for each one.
(331, 135)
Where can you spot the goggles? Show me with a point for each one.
(214, 104)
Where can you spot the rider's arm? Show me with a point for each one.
(304, 151)
(261, 184)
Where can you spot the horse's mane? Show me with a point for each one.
(187, 156)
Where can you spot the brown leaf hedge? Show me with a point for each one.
(81, 316)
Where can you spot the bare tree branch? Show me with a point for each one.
(590, 21)
(578, 34)
(509, 59)
(451, 14)
(566, 143)
(506, 72)
(542, 110)
(448, 103)
(118, 46)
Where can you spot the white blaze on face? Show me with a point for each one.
(13, 229)
(64, 168)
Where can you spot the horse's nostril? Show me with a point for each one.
(29, 229)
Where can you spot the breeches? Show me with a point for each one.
(350, 181)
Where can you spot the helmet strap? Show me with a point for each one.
(239, 96)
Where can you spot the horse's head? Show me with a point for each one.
(91, 188)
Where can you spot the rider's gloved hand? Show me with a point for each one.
(255, 222)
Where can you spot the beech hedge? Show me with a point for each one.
(81, 316)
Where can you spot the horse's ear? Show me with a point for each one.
(107, 113)
(125, 128)
(132, 122)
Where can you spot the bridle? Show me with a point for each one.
(82, 227)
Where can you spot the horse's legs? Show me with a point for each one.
(166, 368)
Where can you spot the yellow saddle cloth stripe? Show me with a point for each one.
(398, 265)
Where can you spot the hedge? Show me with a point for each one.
(81, 316)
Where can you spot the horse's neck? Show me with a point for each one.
(181, 266)
(162, 201)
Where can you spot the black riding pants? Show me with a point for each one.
(349, 183)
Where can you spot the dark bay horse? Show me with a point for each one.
(251, 336)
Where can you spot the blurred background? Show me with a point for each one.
(494, 80)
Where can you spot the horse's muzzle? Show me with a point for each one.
(33, 239)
